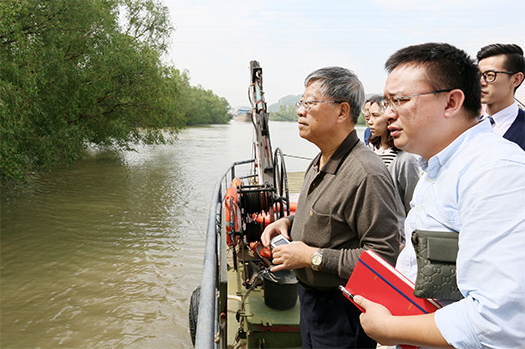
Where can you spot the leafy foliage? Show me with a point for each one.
(81, 71)
(285, 113)
(284, 109)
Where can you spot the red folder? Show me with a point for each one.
(375, 279)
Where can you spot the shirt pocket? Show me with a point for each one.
(317, 230)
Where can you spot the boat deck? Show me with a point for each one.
(263, 327)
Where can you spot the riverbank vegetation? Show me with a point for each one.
(284, 109)
(75, 72)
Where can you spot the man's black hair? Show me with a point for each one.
(447, 67)
(514, 60)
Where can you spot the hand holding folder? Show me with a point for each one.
(379, 282)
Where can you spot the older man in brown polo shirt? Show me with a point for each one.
(346, 206)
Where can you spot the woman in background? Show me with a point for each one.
(403, 166)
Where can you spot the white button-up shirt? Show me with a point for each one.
(476, 186)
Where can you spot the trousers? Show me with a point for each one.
(329, 320)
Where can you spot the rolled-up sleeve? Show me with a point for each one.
(452, 320)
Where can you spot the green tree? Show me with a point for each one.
(284, 109)
(285, 113)
(81, 71)
(204, 107)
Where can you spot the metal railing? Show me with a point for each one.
(209, 333)
(208, 305)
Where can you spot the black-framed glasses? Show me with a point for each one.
(394, 102)
(490, 75)
(306, 104)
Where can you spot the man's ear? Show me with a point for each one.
(517, 79)
(344, 111)
(455, 101)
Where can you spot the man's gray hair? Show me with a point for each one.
(340, 84)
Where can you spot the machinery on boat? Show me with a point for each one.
(240, 303)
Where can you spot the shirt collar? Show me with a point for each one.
(507, 114)
(340, 154)
(435, 163)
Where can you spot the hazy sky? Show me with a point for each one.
(215, 40)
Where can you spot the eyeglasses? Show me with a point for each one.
(490, 75)
(394, 102)
(306, 104)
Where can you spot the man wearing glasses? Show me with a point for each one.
(502, 68)
(346, 205)
(473, 184)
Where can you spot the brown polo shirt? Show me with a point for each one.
(344, 208)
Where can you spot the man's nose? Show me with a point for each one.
(391, 115)
(483, 81)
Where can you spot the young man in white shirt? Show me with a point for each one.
(502, 68)
(473, 184)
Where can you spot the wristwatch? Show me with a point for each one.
(317, 259)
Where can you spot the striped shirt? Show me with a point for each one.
(387, 155)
